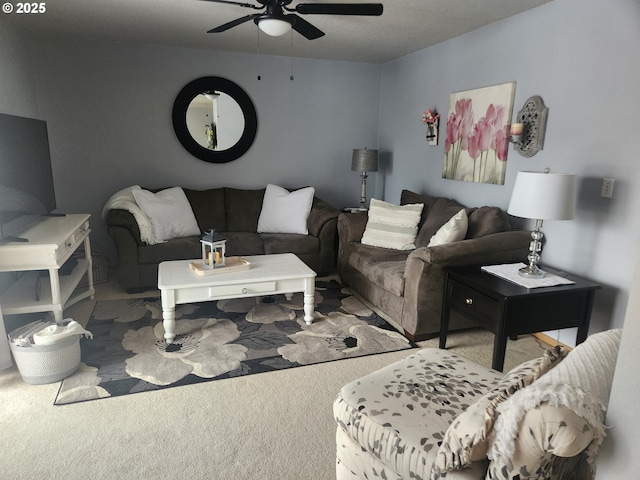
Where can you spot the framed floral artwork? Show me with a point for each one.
(477, 134)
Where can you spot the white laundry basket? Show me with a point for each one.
(39, 364)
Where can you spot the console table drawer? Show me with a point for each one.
(464, 299)
(247, 289)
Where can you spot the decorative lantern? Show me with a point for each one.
(213, 249)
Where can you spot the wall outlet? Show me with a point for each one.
(607, 188)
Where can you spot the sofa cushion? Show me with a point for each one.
(407, 197)
(243, 209)
(382, 266)
(487, 220)
(169, 211)
(392, 226)
(289, 243)
(452, 231)
(243, 243)
(208, 208)
(182, 248)
(284, 211)
(440, 213)
(466, 439)
(399, 413)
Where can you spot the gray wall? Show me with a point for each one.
(108, 108)
(583, 58)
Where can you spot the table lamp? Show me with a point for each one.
(364, 161)
(542, 196)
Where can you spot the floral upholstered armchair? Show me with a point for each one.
(437, 415)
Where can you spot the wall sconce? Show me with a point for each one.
(527, 132)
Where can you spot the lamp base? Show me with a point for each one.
(531, 271)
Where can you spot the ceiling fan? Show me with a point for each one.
(273, 21)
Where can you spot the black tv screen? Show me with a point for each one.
(26, 181)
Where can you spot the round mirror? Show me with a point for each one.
(214, 119)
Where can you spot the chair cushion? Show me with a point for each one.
(399, 414)
(392, 226)
(466, 438)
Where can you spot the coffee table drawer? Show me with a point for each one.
(246, 289)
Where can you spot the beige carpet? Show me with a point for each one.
(276, 425)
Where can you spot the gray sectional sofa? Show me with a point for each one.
(408, 285)
(234, 214)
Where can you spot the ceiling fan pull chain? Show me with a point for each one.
(291, 35)
(258, 33)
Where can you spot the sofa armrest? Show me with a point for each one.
(424, 274)
(124, 219)
(551, 439)
(494, 248)
(351, 226)
(321, 213)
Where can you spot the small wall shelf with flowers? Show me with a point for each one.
(432, 120)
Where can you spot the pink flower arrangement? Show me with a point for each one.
(429, 117)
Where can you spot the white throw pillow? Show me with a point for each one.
(169, 211)
(452, 231)
(392, 226)
(284, 211)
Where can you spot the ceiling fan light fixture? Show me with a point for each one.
(274, 26)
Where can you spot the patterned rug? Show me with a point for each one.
(220, 339)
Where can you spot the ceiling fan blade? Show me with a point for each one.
(371, 9)
(230, 2)
(304, 28)
(227, 26)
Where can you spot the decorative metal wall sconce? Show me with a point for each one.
(527, 133)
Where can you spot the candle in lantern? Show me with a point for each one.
(517, 129)
(218, 257)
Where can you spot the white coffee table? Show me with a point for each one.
(269, 275)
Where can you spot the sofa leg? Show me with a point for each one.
(420, 338)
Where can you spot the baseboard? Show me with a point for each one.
(552, 342)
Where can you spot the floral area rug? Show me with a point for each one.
(220, 339)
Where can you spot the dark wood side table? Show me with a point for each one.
(508, 309)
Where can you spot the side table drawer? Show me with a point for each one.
(467, 300)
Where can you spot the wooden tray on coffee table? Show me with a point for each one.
(232, 264)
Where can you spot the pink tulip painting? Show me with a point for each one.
(476, 151)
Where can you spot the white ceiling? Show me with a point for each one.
(405, 26)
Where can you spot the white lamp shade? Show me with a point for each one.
(274, 26)
(544, 196)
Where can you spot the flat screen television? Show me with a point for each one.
(26, 182)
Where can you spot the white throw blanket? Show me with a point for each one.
(125, 200)
(581, 382)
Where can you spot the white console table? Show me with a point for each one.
(51, 242)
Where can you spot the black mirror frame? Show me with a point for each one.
(179, 116)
